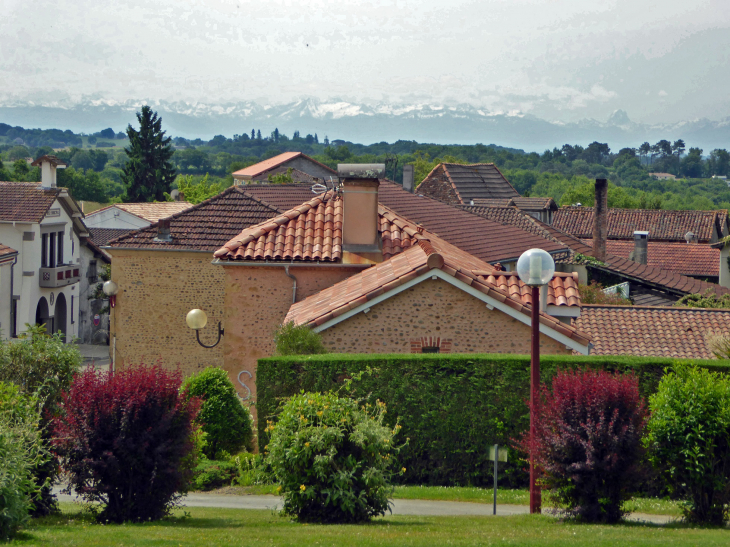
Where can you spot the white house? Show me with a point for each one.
(43, 225)
(132, 216)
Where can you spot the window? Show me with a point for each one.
(44, 251)
(91, 272)
(431, 349)
(52, 252)
(60, 248)
(72, 309)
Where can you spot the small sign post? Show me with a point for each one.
(496, 456)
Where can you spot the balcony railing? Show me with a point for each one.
(60, 276)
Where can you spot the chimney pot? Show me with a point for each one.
(600, 220)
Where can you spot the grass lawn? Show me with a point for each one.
(207, 526)
(652, 506)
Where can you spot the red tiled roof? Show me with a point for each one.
(25, 201)
(5, 250)
(267, 165)
(693, 259)
(526, 204)
(652, 332)
(468, 182)
(296, 175)
(53, 160)
(102, 236)
(430, 253)
(661, 225)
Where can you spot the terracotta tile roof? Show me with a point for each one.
(281, 196)
(694, 259)
(151, 212)
(102, 236)
(262, 167)
(661, 225)
(468, 182)
(205, 226)
(296, 175)
(526, 204)
(5, 250)
(647, 274)
(652, 332)
(428, 254)
(482, 237)
(25, 201)
(53, 160)
(310, 232)
(562, 289)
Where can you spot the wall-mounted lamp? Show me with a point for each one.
(196, 320)
(110, 289)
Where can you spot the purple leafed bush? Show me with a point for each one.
(126, 440)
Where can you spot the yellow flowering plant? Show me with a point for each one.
(332, 458)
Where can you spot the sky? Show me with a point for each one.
(562, 60)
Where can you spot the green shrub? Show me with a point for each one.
(291, 339)
(689, 439)
(250, 469)
(452, 407)
(41, 366)
(210, 474)
(331, 458)
(21, 451)
(227, 423)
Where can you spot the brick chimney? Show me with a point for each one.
(600, 220)
(408, 177)
(641, 247)
(48, 164)
(360, 182)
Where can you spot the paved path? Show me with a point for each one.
(400, 507)
(98, 355)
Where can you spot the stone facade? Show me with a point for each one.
(438, 186)
(156, 291)
(432, 310)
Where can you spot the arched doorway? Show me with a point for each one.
(42, 315)
(59, 317)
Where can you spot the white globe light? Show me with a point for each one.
(110, 288)
(196, 319)
(535, 267)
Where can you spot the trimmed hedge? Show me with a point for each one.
(452, 407)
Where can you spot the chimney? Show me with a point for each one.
(408, 177)
(48, 164)
(360, 182)
(163, 231)
(600, 220)
(641, 247)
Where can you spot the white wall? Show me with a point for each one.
(113, 217)
(29, 262)
(5, 301)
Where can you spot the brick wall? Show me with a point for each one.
(434, 309)
(438, 186)
(156, 291)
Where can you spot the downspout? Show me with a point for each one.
(13, 309)
(294, 287)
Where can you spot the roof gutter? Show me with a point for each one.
(266, 264)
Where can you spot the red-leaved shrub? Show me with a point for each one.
(126, 441)
(588, 441)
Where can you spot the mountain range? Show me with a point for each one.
(338, 119)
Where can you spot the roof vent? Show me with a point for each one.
(163, 231)
(641, 244)
(408, 177)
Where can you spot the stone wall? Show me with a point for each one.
(436, 313)
(156, 290)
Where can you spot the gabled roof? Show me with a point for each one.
(206, 225)
(526, 204)
(662, 225)
(102, 236)
(646, 274)
(430, 256)
(698, 260)
(25, 201)
(53, 160)
(6, 252)
(151, 212)
(466, 183)
(652, 331)
(267, 165)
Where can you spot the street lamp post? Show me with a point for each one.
(196, 320)
(535, 268)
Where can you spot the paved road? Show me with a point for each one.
(400, 507)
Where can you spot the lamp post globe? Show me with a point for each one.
(196, 319)
(535, 267)
(110, 288)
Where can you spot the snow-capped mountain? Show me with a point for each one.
(340, 119)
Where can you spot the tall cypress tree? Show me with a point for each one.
(149, 173)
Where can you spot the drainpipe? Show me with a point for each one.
(294, 287)
(13, 309)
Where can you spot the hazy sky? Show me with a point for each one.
(661, 61)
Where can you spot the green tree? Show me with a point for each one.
(149, 173)
(196, 191)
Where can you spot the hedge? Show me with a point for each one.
(452, 407)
